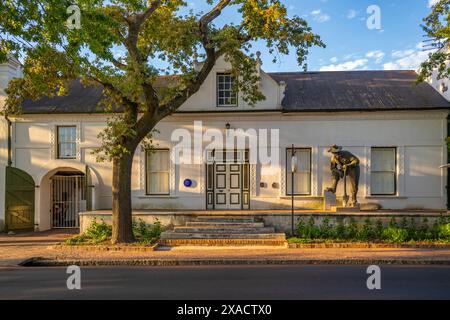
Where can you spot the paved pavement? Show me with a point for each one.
(230, 282)
(17, 248)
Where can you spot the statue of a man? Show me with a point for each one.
(345, 162)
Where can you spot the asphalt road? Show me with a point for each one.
(227, 282)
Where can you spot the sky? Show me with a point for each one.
(395, 44)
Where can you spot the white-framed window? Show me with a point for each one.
(226, 95)
(66, 142)
(383, 171)
(302, 176)
(157, 166)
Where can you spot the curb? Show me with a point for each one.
(103, 248)
(366, 245)
(44, 262)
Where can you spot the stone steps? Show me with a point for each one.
(224, 242)
(223, 231)
(225, 224)
(225, 219)
(215, 229)
(199, 235)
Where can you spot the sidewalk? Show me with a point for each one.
(18, 247)
(15, 249)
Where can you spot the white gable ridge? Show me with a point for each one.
(205, 100)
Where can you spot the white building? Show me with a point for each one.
(396, 129)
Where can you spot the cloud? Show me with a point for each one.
(351, 14)
(319, 16)
(378, 55)
(334, 60)
(359, 64)
(408, 59)
(432, 3)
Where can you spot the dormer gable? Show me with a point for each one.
(216, 93)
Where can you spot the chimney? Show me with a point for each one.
(8, 70)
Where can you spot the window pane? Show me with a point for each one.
(383, 159)
(158, 162)
(383, 171)
(225, 94)
(158, 183)
(67, 150)
(67, 137)
(383, 183)
(302, 178)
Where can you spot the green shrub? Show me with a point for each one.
(145, 232)
(340, 231)
(367, 232)
(402, 232)
(395, 235)
(444, 231)
(325, 229)
(76, 240)
(378, 232)
(99, 232)
(352, 230)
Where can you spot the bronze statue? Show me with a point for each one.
(345, 164)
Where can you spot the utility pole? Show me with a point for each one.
(293, 170)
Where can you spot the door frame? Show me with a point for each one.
(210, 185)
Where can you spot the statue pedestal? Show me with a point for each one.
(329, 200)
(347, 209)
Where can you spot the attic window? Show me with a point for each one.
(226, 96)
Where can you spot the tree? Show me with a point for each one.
(146, 34)
(437, 29)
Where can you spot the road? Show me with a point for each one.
(227, 282)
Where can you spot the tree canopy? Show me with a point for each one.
(437, 29)
(125, 46)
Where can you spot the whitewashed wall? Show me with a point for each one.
(419, 137)
(7, 72)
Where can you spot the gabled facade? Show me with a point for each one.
(396, 129)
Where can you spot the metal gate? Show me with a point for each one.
(68, 199)
(19, 200)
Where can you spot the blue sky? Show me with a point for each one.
(342, 24)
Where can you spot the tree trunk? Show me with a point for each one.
(122, 220)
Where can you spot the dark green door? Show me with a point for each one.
(19, 200)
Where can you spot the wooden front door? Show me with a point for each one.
(228, 189)
(19, 200)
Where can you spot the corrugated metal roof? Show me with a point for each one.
(305, 92)
(357, 90)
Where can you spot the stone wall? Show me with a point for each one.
(280, 220)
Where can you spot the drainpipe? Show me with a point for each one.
(9, 141)
(448, 161)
